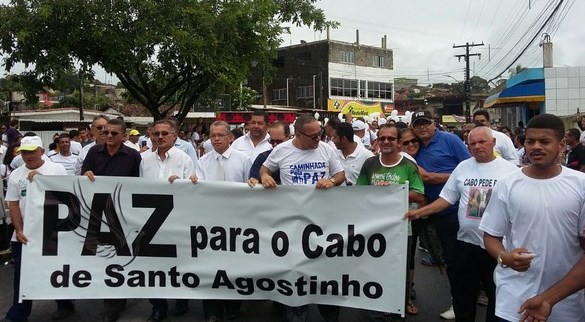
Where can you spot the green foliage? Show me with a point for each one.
(165, 52)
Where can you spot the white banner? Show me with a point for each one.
(143, 238)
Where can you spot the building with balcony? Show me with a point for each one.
(331, 75)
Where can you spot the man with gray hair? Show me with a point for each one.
(470, 184)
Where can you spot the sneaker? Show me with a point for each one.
(449, 314)
(429, 261)
(482, 299)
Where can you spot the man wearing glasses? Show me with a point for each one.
(112, 158)
(223, 163)
(279, 133)
(166, 162)
(391, 167)
(305, 160)
(440, 152)
(256, 140)
(97, 126)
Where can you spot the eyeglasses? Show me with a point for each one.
(413, 141)
(113, 133)
(386, 138)
(313, 137)
(421, 124)
(275, 142)
(163, 133)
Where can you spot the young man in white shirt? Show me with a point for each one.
(539, 211)
(351, 154)
(65, 157)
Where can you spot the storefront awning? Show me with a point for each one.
(521, 93)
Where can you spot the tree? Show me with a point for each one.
(165, 52)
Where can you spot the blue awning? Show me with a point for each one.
(525, 92)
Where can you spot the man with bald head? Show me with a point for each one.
(470, 184)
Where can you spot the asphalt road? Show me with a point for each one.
(431, 289)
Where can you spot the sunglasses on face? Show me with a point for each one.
(163, 133)
(275, 142)
(386, 138)
(113, 133)
(313, 137)
(413, 141)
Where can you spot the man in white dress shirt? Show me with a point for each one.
(256, 140)
(170, 163)
(222, 164)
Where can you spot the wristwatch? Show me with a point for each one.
(500, 261)
(333, 181)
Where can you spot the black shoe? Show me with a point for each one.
(61, 314)
(111, 317)
(156, 316)
(180, 310)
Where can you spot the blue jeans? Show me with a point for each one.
(21, 311)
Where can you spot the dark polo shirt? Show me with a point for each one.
(125, 163)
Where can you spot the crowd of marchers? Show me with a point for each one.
(503, 213)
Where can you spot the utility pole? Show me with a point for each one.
(467, 83)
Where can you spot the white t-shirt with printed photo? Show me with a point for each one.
(18, 183)
(547, 217)
(471, 185)
(303, 167)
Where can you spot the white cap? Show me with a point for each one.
(30, 143)
(358, 125)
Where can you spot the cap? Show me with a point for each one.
(134, 132)
(421, 116)
(358, 125)
(30, 143)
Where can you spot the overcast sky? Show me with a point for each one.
(422, 33)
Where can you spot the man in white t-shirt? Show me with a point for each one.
(305, 160)
(504, 145)
(31, 149)
(351, 154)
(360, 129)
(539, 213)
(65, 157)
(256, 140)
(471, 185)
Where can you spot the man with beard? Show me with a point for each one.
(351, 154)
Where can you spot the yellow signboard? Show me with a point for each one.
(359, 108)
